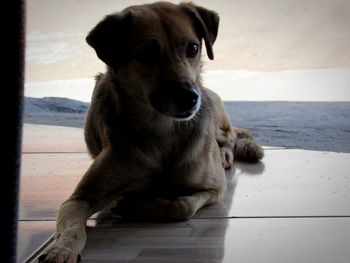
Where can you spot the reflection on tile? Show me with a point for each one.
(287, 240)
(44, 138)
(222, 240)
(47, 180)
(152, 242)
(32, 235)
(287, 183)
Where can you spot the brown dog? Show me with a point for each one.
(159, 139)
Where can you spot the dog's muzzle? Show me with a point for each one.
(177, 100)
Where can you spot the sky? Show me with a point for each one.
(256, 38)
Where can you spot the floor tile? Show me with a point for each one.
(291, 207)
(222, 240)
(287, 183)
(287, 240)
(47, 180)
(31, 236)
(44, 138)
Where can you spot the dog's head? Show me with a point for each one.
(155, 52)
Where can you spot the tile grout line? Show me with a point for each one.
(78, 152)
(218, 217)
(24, 153)
(40, 249)
(276, 217)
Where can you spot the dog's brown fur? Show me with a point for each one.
(163, 167)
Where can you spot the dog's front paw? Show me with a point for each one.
(248, 150)
(59, 254)
(226, 157)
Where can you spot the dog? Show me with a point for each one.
(160, 140)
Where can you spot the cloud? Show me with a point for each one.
(49, 48)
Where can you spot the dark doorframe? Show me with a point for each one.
(12, 36)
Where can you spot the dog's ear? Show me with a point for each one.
(109, 38)
(207, 22)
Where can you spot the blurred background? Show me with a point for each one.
(281, 51)
(255, 37)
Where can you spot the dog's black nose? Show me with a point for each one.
(176, 99)
(193, 96)
(186, 96)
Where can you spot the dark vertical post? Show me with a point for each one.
(12, 35)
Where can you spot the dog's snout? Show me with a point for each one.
(177, 99)
(193, 95)
(186, 95)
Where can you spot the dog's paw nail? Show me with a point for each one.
(79, 258)
(41, 258)
(226, 165)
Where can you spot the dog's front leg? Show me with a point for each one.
(95, 190)
(224, 135)
(246, 148)
(238, 144)
(233, 142)
(180, 208)
(70, 232)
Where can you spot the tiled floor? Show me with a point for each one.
(292, 207)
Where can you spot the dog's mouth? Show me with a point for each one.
(183, 115)
(180, 104)
(174, 111)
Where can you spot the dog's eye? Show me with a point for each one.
(192, 50)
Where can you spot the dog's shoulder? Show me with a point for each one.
(212, 97)
(101, 110)
(209, 100)
(105, 103)
(105, 92)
